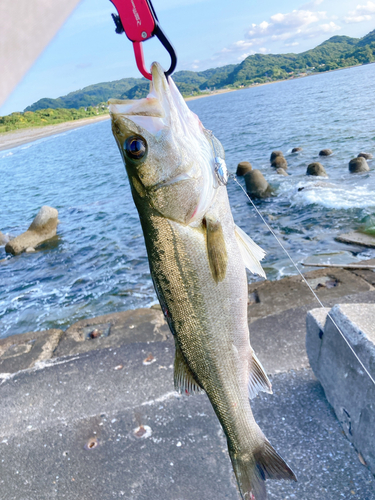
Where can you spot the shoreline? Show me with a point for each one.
(15, 138)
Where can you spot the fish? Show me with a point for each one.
(198, 259)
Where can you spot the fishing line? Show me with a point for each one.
(303, 278)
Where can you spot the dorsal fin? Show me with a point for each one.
(258, 380)
(184, 380)
(251, 253)
(216, 249)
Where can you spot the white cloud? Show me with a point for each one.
(285, 26)
(361, 13)
(329, 27)
(287, 29)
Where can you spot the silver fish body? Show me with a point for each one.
(197, 260)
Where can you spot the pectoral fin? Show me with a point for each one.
(258, 380)
(251, 253)
(184, 380)
(216, 249)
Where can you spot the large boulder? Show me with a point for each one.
(256, 185)
(366, 156)
(274, 154)
(316, 168)
(243, 167)
(357, 165)
(3, 239)
(280, 162)
(296, 150)
(41, 229)
(325, 152)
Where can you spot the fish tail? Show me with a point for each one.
(254, 467)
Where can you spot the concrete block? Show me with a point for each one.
(357, 238)
(41, 229)
(315, 322)
(347, 386)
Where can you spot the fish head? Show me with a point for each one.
(169, 156)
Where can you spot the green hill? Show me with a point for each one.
(88, 96)
(337, 52)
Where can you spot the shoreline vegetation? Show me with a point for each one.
(15, 138)
(56, 121)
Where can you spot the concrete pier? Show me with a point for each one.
(94, 416)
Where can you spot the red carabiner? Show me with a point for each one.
(140, 23)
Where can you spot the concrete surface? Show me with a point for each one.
(69, 431)
(100, 419)
(357, 238)
(347, 386)
(19, 352)
(271, 297)
(111, 330)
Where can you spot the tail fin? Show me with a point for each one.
(253, 469)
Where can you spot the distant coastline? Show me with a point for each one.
(16, 138)
(9, 140)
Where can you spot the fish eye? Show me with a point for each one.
(135, 147)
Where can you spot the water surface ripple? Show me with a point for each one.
(98, 262)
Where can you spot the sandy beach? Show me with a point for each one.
(16, 138)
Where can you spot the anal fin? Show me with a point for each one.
(258, 380)
(216, 249)
(184, 380)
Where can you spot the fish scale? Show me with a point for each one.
(198, 259)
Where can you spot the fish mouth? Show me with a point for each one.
(151, 113)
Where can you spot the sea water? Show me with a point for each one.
(97, 264)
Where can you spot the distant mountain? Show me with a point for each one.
(337, 52)
(88, 96)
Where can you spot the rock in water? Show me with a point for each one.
(316, 168)
(296, 150)
(325, 152)
(279, 162)
(41, 229)
(281, 171)
(3, 239)
(357, 165)
(256, 185)
(274, 154)
(243, 167)
(366, 156)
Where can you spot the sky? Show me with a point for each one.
(205, 34)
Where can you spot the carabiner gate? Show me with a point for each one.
(137, 18)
